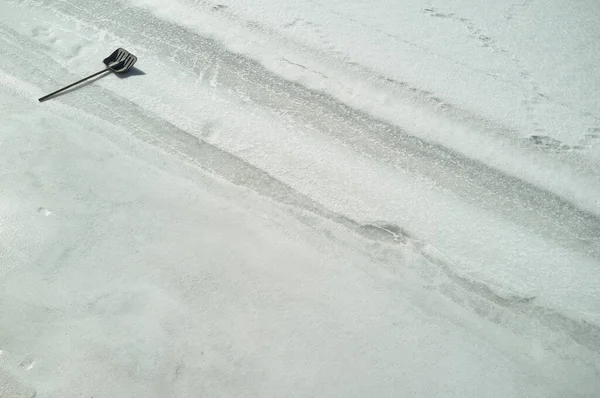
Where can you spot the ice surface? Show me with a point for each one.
(318, 199)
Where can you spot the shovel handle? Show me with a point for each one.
(45, 97)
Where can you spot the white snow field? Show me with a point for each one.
(310, 198)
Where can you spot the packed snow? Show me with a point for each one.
(310, 198)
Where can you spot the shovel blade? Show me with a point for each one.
(120, 60)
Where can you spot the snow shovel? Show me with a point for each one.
(119, 61)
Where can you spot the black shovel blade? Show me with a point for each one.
(120, 60)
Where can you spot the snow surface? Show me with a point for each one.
(317, 198)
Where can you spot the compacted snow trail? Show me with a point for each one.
(373, 247)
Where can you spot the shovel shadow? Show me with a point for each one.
(133, 71)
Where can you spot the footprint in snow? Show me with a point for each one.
(45, 212)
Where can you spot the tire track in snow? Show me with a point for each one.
(539, 210)
(480, 298)
(337, 116)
